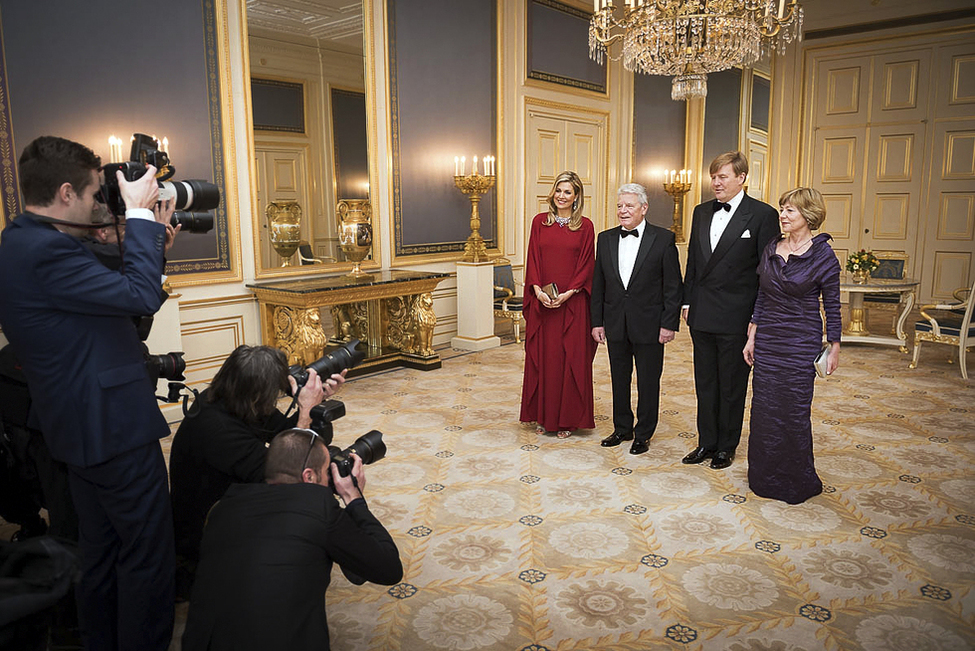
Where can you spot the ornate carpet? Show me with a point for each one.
(522, 542)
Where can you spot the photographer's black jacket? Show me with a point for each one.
(211, 451)
(266, 563)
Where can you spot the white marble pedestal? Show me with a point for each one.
(475, 307)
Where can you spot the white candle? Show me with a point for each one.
(165, 144)
(456, 165)
(115, 149)
(463, 165)
(474, 167)
(781, 8)
(493, 172)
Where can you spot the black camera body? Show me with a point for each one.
(194, 198)
(369, 447)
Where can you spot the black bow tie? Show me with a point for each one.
(718, 206)
(635, 233)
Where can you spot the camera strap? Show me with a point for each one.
(294, 403)
(44, 219)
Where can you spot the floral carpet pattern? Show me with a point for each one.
(521, 542)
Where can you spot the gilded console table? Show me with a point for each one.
(856, 330)
(391, 312)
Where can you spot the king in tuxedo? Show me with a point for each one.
(720, 286)
(635, 309)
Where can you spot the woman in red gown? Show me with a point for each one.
(557, 389)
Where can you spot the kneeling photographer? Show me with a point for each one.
(268, 550)
(223, 438)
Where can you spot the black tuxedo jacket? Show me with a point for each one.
(652, 299)
(720, 286)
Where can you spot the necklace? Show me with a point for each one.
(562, 221)
(794, 249)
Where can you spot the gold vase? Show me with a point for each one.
(861, 276)
(284, 223)
(355, 232)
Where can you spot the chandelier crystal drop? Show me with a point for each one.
(690, 38)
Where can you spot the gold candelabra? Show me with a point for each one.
(677, 186)
(475, 185)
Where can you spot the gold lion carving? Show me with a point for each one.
(425, 319)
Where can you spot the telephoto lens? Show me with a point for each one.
(369, 447)
(346, 356)
(193, 222)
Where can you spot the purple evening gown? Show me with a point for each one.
(788, 339)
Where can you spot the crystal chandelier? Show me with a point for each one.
(690, 38)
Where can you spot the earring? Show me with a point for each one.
(575, 204)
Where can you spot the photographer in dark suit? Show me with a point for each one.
(268, 551)
(224, 437)
(69, 321)
(636, 290)
(720, 287)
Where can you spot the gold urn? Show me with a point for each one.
(284, 224)
(355, 232)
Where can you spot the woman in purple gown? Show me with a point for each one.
(784, 337)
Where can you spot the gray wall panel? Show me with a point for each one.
(444, 97)
(722, 112)
(87, 70)
(658, 142)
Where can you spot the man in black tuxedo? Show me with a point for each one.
(727, 237)
(636, 291)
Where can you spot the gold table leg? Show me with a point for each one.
(856, 327)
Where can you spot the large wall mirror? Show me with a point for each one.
(307, 70)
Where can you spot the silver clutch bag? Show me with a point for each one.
(820, 362)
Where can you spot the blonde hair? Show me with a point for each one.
(736, 159)
(809, 203)
(575, 222)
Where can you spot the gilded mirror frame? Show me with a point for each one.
(257, 220)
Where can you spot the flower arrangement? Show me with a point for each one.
(862, 261)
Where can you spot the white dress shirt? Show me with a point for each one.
(629, 247)
(721, 218)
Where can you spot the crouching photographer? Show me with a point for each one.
(223, 438)
(268, 550)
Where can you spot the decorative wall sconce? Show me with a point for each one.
(284, 224)
(474, 185)
(355, 232)
(677, 183)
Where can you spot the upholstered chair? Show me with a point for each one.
(507, 300)
(954, 325)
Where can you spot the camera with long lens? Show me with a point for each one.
(345, 356)
(194, 198)
(369, 447)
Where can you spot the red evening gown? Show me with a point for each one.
(559, 349)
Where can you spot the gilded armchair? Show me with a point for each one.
(954, 326)
(507, 305)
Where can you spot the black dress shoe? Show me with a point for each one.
(640, 446)
(722, 460)
(698, 455)
(615, 439)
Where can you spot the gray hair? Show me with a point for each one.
(634, 188)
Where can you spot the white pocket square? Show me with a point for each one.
(746, 234)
